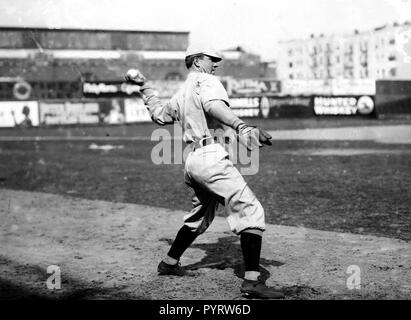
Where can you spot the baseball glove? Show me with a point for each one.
(252, 137)
(135, 76)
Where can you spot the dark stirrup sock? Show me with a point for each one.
(183, 240)
(251, 247)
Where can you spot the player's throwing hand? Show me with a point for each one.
(135, 76)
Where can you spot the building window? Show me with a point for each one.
(392, 57)
(392, 41)
(393, 72)
(290, 64)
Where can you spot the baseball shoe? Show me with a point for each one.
(165, 269)
(258, 289)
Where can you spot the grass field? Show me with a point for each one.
(357, 192)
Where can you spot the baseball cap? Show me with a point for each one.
(203, 49)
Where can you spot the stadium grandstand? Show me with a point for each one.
(55, 62)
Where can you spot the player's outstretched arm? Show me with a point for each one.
(219, 110)
(160, 113)
(248, 135)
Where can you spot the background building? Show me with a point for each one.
(381, 53)
(240, 64)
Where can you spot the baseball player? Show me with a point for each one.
(201, 106)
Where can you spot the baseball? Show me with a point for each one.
(132, 73)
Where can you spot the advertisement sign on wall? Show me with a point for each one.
(298, 87)
(290, 101)
(250, 86)
(136, 111)
(393, 98)
(109, 89)
(111, 111)
(19, 114)
(112, 89)
(363, 105)
(290, 107)
(68, 113)
(329, 87)
(245, 106)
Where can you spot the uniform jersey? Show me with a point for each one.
(189, 107)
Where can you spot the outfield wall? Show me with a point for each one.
(393, 98)
(132, 109)
(119, 102)
(275, 106)
(57, 112)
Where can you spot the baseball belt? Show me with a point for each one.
(203, 142)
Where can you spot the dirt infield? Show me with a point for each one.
(111, 250)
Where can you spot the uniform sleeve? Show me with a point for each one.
(216, 104)
(161, 113)
(221, 112)
(212, 89)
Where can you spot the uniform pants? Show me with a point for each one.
(215, 181)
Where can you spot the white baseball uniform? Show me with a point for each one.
(208, 169)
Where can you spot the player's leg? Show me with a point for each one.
(195, 223)
(253, 285)
(245, 216)
(251, 241)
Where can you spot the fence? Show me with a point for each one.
(132, 109)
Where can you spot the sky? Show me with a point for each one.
(256, 25)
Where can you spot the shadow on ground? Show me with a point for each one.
(28, 282)
(226, 253)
